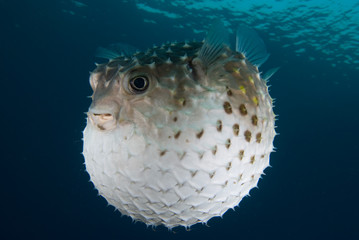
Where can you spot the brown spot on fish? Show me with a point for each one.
(175, 119)
(101, 127)
(193, 173)
(241, 154)
(199, 190)
(177, 134)
(248, 135)
(163, 153)
(259, 137)
(211, 175)
(253, 158)
(212, 198)
(227, 107)
(214, 150)
(228, 143)
(262, 156)
(219, 125)
(229, 165)
(255, 120)
(229, 92)
(235, 129)
(243, 109)
(182, 102)
(200, 134)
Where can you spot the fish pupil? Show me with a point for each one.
(139, 84)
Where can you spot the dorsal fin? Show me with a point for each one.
(251, 45)
(214, 44)
(115, 50)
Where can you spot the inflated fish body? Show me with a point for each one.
(180, 133)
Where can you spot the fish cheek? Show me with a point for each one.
(161, 97)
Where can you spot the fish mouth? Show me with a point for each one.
(102, 121)
(104, 116)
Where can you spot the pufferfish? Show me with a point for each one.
(180, 133)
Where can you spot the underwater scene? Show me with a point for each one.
(182, 119)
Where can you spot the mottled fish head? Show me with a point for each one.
(144, 87)
(165, 77)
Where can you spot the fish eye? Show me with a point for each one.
(138, 84)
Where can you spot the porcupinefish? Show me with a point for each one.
(182, 132)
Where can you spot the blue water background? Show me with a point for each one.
(47, 50)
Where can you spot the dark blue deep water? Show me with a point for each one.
(47, 49)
